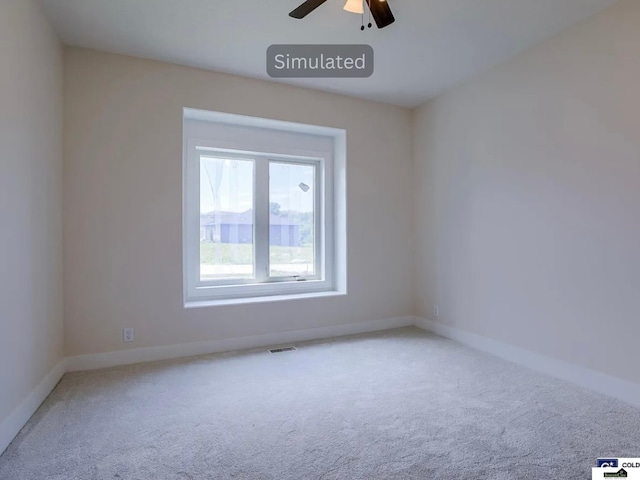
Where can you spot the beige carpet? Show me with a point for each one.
(401, 404)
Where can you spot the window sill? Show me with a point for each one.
(262, 299)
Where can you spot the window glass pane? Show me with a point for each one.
(226, 218)
(291, 230)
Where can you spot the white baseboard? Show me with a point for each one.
(166, 352)
(584, 377)
(17, 419)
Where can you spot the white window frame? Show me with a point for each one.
(263, 141)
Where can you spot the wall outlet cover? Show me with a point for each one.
(127, 334)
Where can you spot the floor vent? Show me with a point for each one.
(283, 349)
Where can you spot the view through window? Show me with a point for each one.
(228, 209)
(226, 218)
(291, 208)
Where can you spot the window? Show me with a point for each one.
(263, 212)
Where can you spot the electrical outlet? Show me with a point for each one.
(436, 311)
(127, 334)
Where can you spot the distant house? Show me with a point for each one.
(237, 227)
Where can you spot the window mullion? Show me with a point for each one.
(261, 220)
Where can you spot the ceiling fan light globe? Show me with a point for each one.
(354, 6)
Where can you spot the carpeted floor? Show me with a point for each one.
(400, 404)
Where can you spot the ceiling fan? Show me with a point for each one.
(380, 10)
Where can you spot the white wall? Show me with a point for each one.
(31, 336)
(123, 200)
(527, 184)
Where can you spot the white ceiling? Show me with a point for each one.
(433, 45)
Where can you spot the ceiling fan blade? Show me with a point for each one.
(306, 8)
(381, 13)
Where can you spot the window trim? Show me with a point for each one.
(330, 245)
